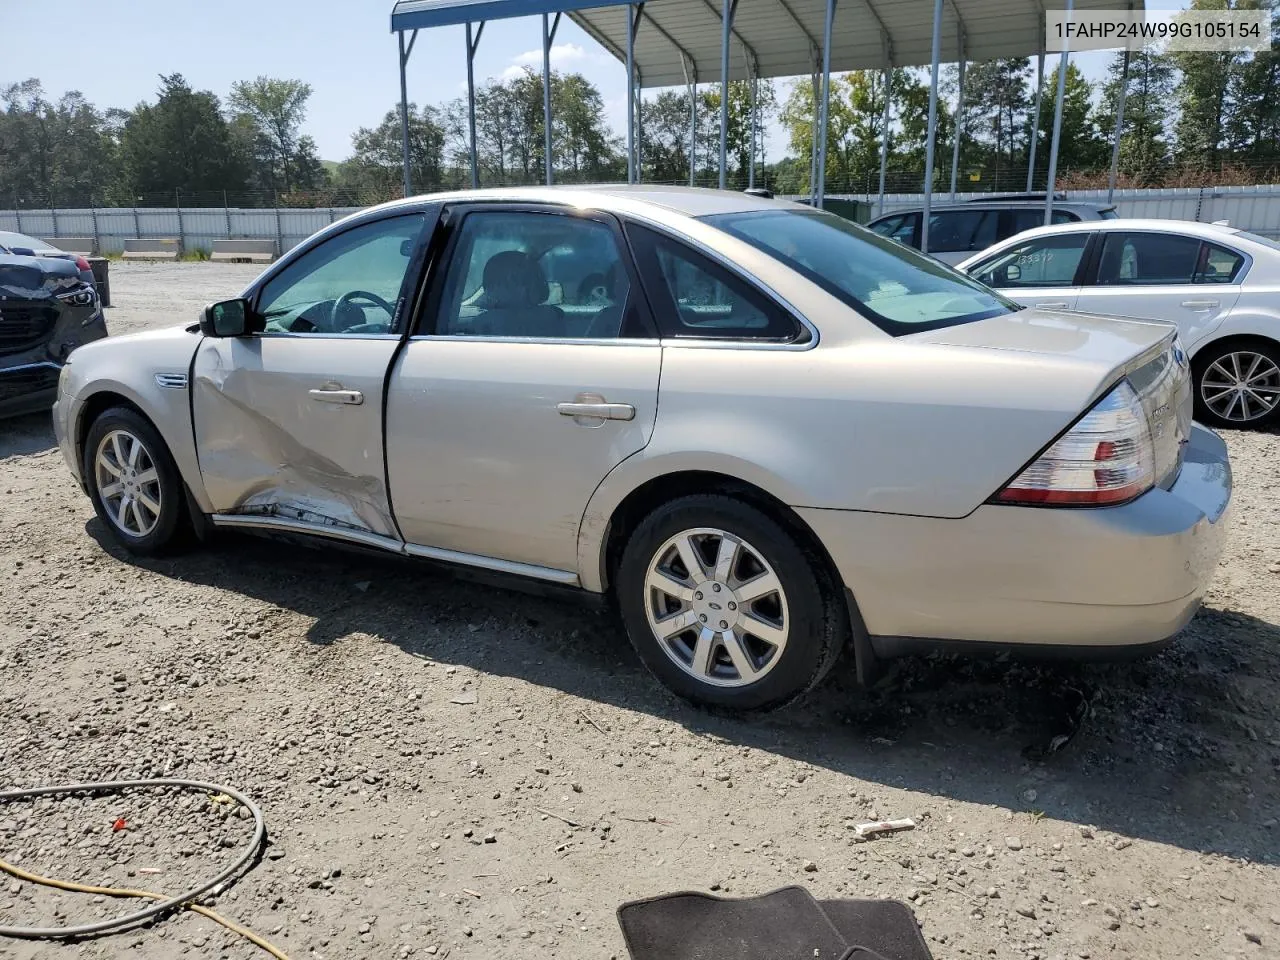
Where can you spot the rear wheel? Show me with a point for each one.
(726, 607)
(1238, 383)
(133, 482)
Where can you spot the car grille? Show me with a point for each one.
(24, 325)
(1164, 386)
(24, 381)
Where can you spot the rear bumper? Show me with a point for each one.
(1076, 579)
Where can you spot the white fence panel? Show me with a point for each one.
(197, 226)
(1255, 208)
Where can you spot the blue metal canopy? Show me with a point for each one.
(669, 42)
(416, 14)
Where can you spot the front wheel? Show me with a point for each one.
(726, 607)
(1238, 384)
(133, 482)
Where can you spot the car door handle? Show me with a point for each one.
(1053, 304)
(351, 397)
(598, 410)
(1201, 304)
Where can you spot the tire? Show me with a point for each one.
(1215, 374)
(757, 672)
(152, 481)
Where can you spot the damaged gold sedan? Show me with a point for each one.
(767, 434)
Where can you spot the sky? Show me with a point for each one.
(343, 48)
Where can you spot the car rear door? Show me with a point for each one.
(1042, 271)
(288, 422)
(532, 374)
(1164, 276)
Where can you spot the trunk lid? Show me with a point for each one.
(1148, 353)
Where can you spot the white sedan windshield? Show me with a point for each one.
(898, 289)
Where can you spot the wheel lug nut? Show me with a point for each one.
(703, 618)
(715, 587)
(698, 595)
(724, 625)
(732, 605)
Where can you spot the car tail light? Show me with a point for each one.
(82, 264)
(1107, 458)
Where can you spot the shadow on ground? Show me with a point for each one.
(25, 435)
(1174, 749)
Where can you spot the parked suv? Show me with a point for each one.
(959, 230)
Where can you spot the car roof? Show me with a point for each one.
(1000, 205)
(689, 201)
(1192, 228)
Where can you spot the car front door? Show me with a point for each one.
(1164, 276)
(534, 372)
(288, 421)
(1043, 271)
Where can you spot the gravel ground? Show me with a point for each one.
(451, 770)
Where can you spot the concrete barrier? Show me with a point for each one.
(252, 251)
(155, 248)
(84, 246)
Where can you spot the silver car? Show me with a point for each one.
(1220, 285)
(769, 435)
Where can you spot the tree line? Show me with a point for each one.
(1189, 118)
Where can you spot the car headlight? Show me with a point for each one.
(85, 296)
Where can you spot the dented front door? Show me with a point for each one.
(292, 427)
(288, 422)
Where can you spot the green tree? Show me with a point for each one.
(1253, 130)
(997, 101)
(738, 128)
(585, 148)
(54, 153)
(1081, 147)
(854, 121)
(285, 159)
(665, 138)
(1144, 144)
(1206, 95)
(510, 131)
(181, 142)
(375, 170)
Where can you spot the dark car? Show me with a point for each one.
(19, 244)
(959, 230)
(47, 309)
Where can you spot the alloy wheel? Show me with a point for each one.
(716, 607)
(1241, 386)
(128, 484)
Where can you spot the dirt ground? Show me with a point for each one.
(447, 769)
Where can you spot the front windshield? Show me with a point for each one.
(898, 289)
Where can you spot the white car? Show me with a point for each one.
(1220, 285)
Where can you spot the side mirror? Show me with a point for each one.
(227, 318)
(22, 252)
(1012, 273)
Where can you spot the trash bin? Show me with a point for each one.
(99, 267)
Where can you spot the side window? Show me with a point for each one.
(696, 297)
(1147, 258)
(1218, 265)
(528, 274)
(1042, 262)
(900, 227)
(1028, 218)
(349, 284)
(954, 231)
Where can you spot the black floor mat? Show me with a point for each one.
(885, 927)
(781, 925)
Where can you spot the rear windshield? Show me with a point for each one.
(898, 289)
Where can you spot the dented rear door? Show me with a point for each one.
(288, 422)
